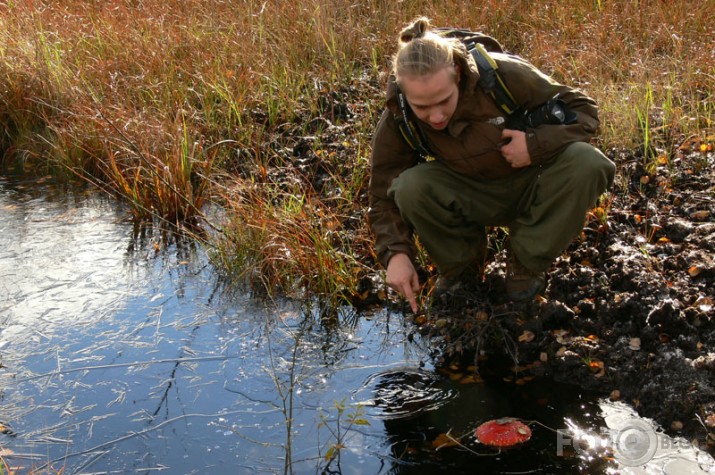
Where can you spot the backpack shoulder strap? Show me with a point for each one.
(468, 37)
(490, 80)
(479, 46)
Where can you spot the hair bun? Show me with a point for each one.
(417, 29)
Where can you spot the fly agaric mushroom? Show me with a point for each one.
(504, 432)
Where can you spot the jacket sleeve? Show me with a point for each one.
(390, 156)
(532, 88)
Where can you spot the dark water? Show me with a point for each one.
(123, 354)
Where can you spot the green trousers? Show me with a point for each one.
(543, 206)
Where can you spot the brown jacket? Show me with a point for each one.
(469, 145)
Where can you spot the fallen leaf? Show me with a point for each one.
(527, 336)
(524, 380)
(441, 323)
(635, 344)
(710, 421)
(482, 316)
(444, 440)
(704, 304)
(597, 367)
(701, 215)
(455, 376)
(471, 379)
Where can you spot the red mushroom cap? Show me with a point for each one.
(503, 432)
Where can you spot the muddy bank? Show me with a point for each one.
(628, 311)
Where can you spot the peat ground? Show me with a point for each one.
(628, 310)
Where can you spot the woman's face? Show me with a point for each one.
(433, 97)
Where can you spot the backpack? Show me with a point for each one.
(479, 46)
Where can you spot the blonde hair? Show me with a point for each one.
(422, 51)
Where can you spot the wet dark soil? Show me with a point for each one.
(628, 310)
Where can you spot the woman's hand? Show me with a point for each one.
(402, 277)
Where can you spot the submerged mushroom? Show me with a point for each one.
(504, 432)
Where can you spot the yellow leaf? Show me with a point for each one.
(700, 215)
(694, 271)
(331, 451)
(471, 379)
(527, 336)
(597, 367)
(444, 440)
(455, 376)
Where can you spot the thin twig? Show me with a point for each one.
(124, 365)
(134, 434)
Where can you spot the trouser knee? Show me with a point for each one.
(410, 188)
(588, 165)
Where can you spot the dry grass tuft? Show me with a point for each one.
(154, 100)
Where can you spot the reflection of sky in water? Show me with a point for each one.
(132, 361)
(128, 360)
(59, 265)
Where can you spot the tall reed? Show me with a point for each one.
(173, 103)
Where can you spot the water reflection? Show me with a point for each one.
(404, 393)
(122, 354)
(52, 255)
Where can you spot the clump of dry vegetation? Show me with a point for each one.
(266, 108)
